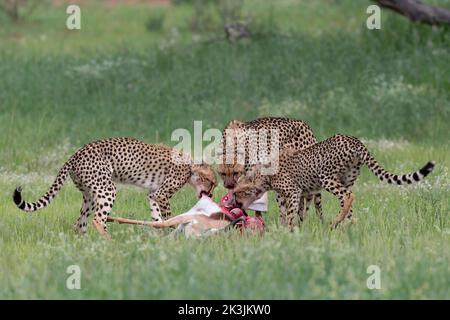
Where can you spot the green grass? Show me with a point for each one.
(405, 231)
(61, 89)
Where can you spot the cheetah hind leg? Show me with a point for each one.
(350, 215)
(154, 207)
(103, 206)
(345, 198)
(80, 226)
(349, 181)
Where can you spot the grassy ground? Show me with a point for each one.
(60, 89)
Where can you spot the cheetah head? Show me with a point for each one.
(230, 167)
(230, 174)
(246, 192)
(251, 187)
(203, 179)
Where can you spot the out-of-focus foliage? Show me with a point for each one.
(18, 10)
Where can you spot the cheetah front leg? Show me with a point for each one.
(163, 195)
(163, 201)
(305, 202)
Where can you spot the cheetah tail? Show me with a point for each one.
(47, 197)
(385, 175)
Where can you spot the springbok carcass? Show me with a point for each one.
(205, 218)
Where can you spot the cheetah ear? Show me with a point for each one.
(234, 124)
(259, 192)
(199, 169)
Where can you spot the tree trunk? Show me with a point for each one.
(417, 11)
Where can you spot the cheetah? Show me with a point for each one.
(333, 165)
(292, 133)
(97, 166)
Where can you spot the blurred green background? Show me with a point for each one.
(147, 68)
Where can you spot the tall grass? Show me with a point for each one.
(336, 84)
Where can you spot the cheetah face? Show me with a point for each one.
(203, 180)
(246, 193)
(230, 174)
